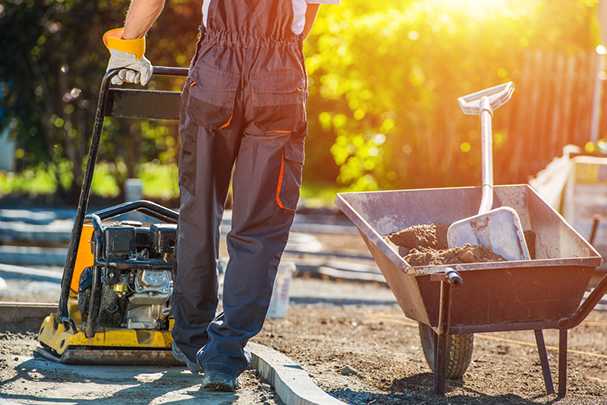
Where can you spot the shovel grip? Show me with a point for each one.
(471, 104)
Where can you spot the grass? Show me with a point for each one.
(319, 194)
(29, 181)
(159, 182)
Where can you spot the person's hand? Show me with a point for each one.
(132, 70)
(127, 55)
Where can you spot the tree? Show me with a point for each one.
(52, 63)
(385, 77)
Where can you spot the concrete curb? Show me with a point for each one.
(24, 312)
(32, 256)
(15, 232)
(10, 272)
(290, 381)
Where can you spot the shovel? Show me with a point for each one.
(499, 229)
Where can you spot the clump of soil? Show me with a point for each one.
(426, 245)
(467, 254)
(432, 236)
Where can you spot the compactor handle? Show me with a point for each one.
(169, 71)
(156, 71)
(83, 200)
(495, 97)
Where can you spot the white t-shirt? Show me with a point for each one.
(299, 12)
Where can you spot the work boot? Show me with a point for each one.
(217, 381)
(181, 357)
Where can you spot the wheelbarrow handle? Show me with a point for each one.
(587, 306)
(450, 276)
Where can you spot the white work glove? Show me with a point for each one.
(127, 55)
(132, 70)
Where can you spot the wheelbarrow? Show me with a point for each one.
(546, 292)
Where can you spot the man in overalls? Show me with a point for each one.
(243, 116)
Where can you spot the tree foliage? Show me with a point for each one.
(52, 63)
(384, 77)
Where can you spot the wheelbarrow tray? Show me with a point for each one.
(495, 296)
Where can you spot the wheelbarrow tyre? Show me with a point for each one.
(459, 347)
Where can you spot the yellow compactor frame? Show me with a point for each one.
(107, 346)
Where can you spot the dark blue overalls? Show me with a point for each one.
(243, 116)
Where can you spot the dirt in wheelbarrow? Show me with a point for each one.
(372, 355)
(426, 245)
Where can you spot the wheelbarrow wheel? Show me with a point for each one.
(459, 347)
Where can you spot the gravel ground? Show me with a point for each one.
(372, 355)
(354, 341)
(28, 380)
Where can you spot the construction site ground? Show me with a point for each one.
(351, 337)
(33, 380)
(355, 343)
(372, 355)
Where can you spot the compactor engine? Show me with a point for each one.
(134, 265)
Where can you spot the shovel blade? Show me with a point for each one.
(499, 230)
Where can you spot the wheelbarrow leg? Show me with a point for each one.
(440, 351)
(541, 348)
(447, 279)
(562, 362)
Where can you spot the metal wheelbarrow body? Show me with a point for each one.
(543, 293)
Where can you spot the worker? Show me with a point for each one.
(243, 116)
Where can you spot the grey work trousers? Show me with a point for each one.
(249, 124)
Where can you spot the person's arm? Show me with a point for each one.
(141, 16)
(127, 44)
(311, 13)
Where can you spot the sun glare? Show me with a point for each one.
(485, 8)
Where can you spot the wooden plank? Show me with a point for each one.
(568, 95)
(518, 130)
(558, 105)
(534, 111)
(544, 107)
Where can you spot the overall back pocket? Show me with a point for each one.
(212, 96)
(279, 101)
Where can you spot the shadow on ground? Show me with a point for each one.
(417, 389)
(39, 380)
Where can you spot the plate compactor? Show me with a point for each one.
(118, 277)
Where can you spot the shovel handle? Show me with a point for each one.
(487, 155)
(483, 103)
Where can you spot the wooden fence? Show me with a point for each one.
(552, 108)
